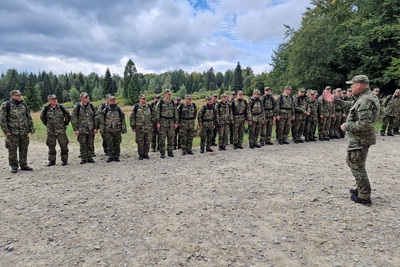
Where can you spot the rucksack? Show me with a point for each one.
(136, 107)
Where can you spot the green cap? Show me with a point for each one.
(256, 91)
(233, 93)
(377, 89)
(224, 95)
(207, 97)
(288, 87)
(267, 88)
(16, 92)
(157, 96)
(111, 97)
(177, 98)
(107, 96)
(328, 87)
(84, 94)
(301, 90)
(188, 96)
(349, 90)
(397, 91)
(215, 95)
(51, 97)
(167, 91)
(240, 92)
(359, 79)
(142, 96)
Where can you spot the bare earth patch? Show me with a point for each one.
(275, 206)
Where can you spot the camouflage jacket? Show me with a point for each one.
(338, 107)
(360, 123)
(269, 103)
(392, 105)
(300, 105)
(112, 120)
(83, 118)
(312, 107)
(17, 120)
(285, 106)
(187, 114)
(239, 108)
(56, 119)
(256, 110)
(207, 115)
(166, 110)
(324, 107)
(142, 117)
(224, 114)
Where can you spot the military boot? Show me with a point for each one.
(202, 149)
(51, 163)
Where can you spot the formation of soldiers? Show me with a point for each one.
(166, 124)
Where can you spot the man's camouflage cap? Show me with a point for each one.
(107, 96)
(397, 91)
(142, 96)
(224, 95)
(349, 90)
(233, 93)
(157, 96)
(16, 92)
(256, 91)
(177, 98)
(167, 91)
(377, 89)
(51, 97)
(83, 94)
(215, 95)
(240, 92)
(188, 96)
(111, 97)
(359, 79)
(267, 88)
(207, 97)
(328, 87)
(301, 90)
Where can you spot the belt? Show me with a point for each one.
(256, 114)
(286, 108)
(242, 114)
(208, 120)
(268, 109)
(187, 119)
(168, 118)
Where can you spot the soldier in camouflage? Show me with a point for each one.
(239, 109)
(285, 115)
(360, 129)
(301, 113)
(187, 113)
(216, 130)
(142, 121)
(16, 123)
(230, 101)
(177, 137)
(334, 132)
(167, 121)
(224, 119)
(392, 110)
(99, 110)
(325, 110)
(256, 118)
(207, 119)
(346, 109)
(269, 104)
(311, 120)
(155, 138)
(56, 119)
(85, 126)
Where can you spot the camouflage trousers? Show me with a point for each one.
(104, 144)
(86, 145)
(356, 159)
(266, 130)
(335, 125)
(341, 132)
(143, 137)
(283, 127)
(298, 126)
(51, 143)
(223, 134)
(206, 134)
(389, 123)
(14, 144)
(166, 131)
(310, 127)
(155, 138)
(113, 144)
(231, 133)
(238, 130)
(254, 132)
(215, 132)
(187, 133)
(323, 127)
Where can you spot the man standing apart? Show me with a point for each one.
(207, 119)
(167, 122)
(56, 119)
(187, 113)
(142, 121)
(83, 120)
(360, 129)
(285, 115)
(392, 110)
(155, 139)
(16, 123)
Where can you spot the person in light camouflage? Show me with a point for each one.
(177, 137)
(392, 110)
(155, 138)
(334, 132)
(285, 115)
(85, 126)
(311, 120)
(269, 104)
(142, 121)
(99, 110)
(224, 119)
(16, 123)
(207, 119)
(112, 124)
(167, 121)
(239, 109)
(360, 130)
(325, 110)
(301, 114)
(256, 118)
(56, 119)
(187, 113)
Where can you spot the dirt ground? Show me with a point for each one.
(275, 206)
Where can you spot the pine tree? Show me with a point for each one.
(238, 78)
(47, 88)
(108, 83)
(32, 95)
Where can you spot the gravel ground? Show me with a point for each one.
(275, 206)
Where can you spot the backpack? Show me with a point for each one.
(233, 107)
(46, 109)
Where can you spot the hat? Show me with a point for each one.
(256, 91)
(157, 96)
(188, 96)
(312, 92)
(84, 94)
(376, 89)
(397, 91)
(223, 95)
(16, 92)
(233, 93)
(51, 97)
(111, 97)
(267, 88)
(142, 96)
(349, 90)
(338, 90)
(107, 96)
(215, 95)
(288, 87)
(207, 97)
(240, 92)
(358, 79)
(177, 98)
(167, 91)
(328, 87)
(301, 90)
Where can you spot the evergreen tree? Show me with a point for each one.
(32, 95)
(238, 78)
(46, 88)
(108, 85)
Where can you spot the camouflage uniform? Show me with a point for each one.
(285, 109)
(224, 119)
(269, 103)
(257, 118)
(300, 107)
(346, 109)
(167, 115)
(56, 121)
(240, 116)
(186, 119)
(99, 111)
(392, 110)
(336, 120)
(155, 138)
(18, 122)
(216, 129)
(324, 109)
(207, 119)
(311, 121)
(360, 129)
(83, 119)
(142, 121)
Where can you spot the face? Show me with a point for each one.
(376, 92)
(267, 92)
(112, 101)
(223, 99)
(85, 100)
(357, 88)
(208, 101)
(188, 101)
(287, 91)
(256, 95)
(240, 96)
(143, 101)
(313, 96)
(16, 97)
(53, 101)
(168, 96)
(301, 93)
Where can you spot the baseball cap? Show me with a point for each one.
(359, 79)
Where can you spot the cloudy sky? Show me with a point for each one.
(158, 35)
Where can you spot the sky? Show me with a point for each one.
(158, 35)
